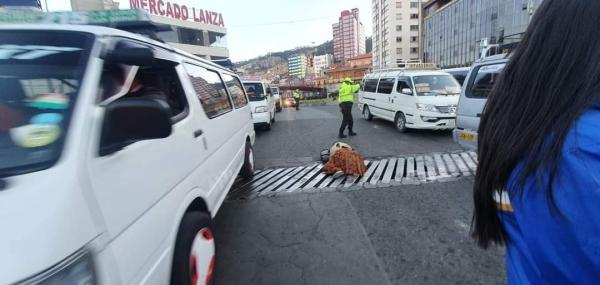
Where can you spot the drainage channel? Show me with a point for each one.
(385, 172)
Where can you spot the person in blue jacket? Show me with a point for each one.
(537, 187)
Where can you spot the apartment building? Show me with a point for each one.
(348, 36)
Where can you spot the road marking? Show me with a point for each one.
(382, 173)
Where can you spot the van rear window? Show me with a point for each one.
(485, 78)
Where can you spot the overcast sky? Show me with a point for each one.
(257, 27)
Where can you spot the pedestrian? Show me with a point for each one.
(537, 187)
(297, 96)
(346, 100)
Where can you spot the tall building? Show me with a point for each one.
(396, 32)
(348, 36)
(455, 32)
(88, 5)
(28, 4)
(321, 63)
(297, 65)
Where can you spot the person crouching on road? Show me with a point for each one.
(346, 100)
(297, 96)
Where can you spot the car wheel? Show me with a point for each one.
(400, 122)
(268, 125)
(247, 171)
(367, 114)
(194, 254)
(273, 119)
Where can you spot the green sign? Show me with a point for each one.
(105, 17)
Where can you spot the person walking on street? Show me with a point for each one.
(346, 100)
(297, 96)
(537, 187)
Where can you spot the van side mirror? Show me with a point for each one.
(136, 55)
(406, 91)
(129, 120)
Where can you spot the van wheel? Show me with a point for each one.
(367, 113)
(273, 119)
(194, 254)
(247, 171)
(400, 122)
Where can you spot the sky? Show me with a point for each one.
(258, 27)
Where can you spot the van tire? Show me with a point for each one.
(192, 225)
(247, 171)
(400, 122)
(367, 113)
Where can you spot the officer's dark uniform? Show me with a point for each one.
(346, 100)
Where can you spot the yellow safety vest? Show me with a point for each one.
(347, 92)
(296, 95)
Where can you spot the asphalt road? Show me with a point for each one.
(411, 234)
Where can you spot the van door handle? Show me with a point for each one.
(198, 133)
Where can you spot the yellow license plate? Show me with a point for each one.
(467, 137)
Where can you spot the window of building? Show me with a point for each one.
(398, 39)
(398, 50)
(399, 4)
(414, 16)
(414, 50)
(414, 27)
(399, 16)
(414, 39)
(386, 85)
(414, 4)
(236, 90)
(398, 28)
(210, 89)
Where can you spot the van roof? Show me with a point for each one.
(404, 73)
(494, 57)
(457, 69)
(111, 32)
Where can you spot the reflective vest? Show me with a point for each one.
(296, 95)
(347, 92)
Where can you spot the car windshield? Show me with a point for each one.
(255, 91)
(40, 75)
(436, 85)
(275, 91)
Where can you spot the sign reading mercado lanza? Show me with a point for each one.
(177, 11)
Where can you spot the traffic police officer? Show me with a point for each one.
(346, 100)
(297, 97)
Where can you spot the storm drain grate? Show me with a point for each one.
(385, 172)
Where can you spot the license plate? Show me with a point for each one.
(467, 136)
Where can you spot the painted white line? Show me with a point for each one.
(432, 174)
(289, 179)
(302, 181)
(276, 179)
(440, 165)
(421, 169)
(400, 169)
(378, 172)
(387, 177)
(470, 163)
(461, 164)
(452, 169)
(370, 171)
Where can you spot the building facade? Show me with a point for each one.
(321, 63)
(297, 66)
(348, 36)
(396, 32)
(28, 4)
(455, 32)
(89, 5)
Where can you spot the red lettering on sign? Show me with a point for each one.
(184, 13)
(208, 17)
(152, 4)
(144, 4)
(177, 11)
(169, 10)
(221, 23)
(214, 18)
(202, 19)
(134, 4)
(161, 7)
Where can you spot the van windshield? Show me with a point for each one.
(40, 76)
(255, 91)
(436, 85)
(275, 90)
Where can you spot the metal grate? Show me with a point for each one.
(386, 172)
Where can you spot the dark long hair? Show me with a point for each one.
(552, 77)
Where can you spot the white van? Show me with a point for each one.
(460, 73)
(412, 99)
(478, 85)
(261, 102)
(116, 152)
(277, 98)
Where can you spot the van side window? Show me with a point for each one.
(210, 89)
(482, 85)
(236, 90)
(371, 85)
(403, 82)
(386, 85)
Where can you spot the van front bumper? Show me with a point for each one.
(466, 138)
(261, 118)
(432, 122)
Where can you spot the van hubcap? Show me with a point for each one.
(202, 257)
(251, 159)
(400, 122)
(367, 113)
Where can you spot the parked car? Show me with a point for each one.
(478, 86)
(411, 98)
(117, 152)
(460, 74)
(277, 98)
(261, 102)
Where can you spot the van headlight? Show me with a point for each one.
(262, 109)
(427, 108)
(76, 269)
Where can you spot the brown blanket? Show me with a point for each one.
(347, 161)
